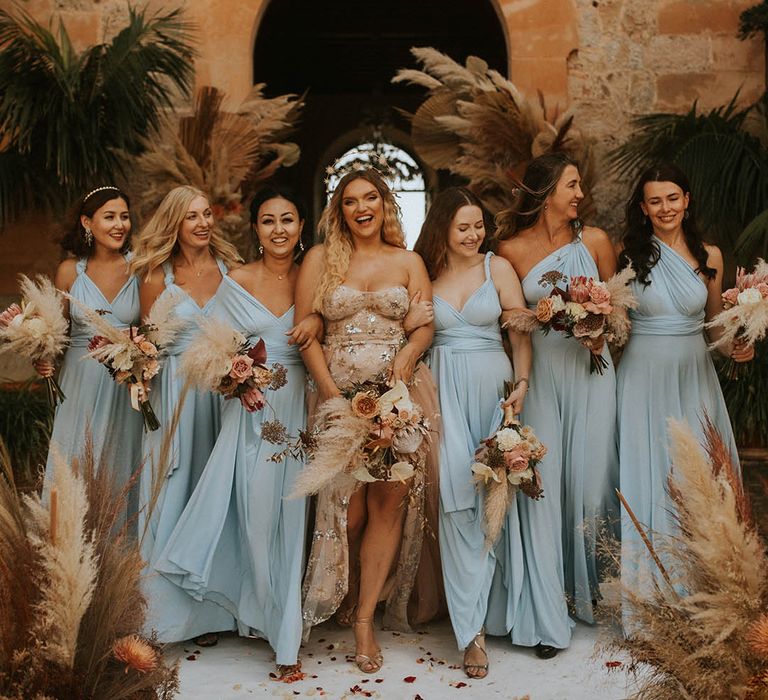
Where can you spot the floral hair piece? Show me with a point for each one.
(100, 189)
(361, 161)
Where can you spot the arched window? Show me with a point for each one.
(407, 180)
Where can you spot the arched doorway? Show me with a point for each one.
(343, 54)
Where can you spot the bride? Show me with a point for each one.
(369, 539)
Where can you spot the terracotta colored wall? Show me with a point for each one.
(608, 59)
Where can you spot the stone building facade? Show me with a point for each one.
(610, 60)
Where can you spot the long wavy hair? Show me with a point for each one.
(540, 180)
(158, 240)
(337, 238)
(72, 241)
(641, 249)
(432, 243)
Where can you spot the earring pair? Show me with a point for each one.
(301, 247)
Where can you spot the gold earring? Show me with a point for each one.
(88, 236)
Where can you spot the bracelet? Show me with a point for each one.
(520, 381)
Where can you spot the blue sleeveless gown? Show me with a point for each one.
(174, 614)
(94, 401)
(666, 370)
(240, 540)
(470, 367)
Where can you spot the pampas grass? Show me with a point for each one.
(498, 498)
(339, 444)
(700, 642)
(48, 649)
(209, 356)
(480, 126)
(622, 299)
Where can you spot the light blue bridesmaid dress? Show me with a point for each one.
(666, 370)
(95, 402)
(174, 614)
(573, 413)
(240, 540)
(470, 367)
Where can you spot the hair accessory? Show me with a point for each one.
(100, 189)
(88, 236)
(360, 160)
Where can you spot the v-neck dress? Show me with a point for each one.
(171, 612)
(665, 371)
(470, 367)
(240, 540)
(95, 403)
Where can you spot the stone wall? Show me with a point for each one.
(608, 59)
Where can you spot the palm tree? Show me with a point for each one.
(68, 119)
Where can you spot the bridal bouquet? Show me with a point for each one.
(221, 360)
(583, 308)
(745, 310)
(37, 329)
(132, 355)
(372, 433)
(506, 463)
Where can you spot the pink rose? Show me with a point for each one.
(599, 299)
(730, 297)
(241, 368)
(578, 290)
(9, 314)
(517, 459)
(252, 399)
(151, 368)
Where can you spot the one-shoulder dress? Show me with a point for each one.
(470, 367)
(363, 332)
(173, 613)
(240, 540)
(665, 371)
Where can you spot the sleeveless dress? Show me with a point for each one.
(240, 540)
(573, 413)
(94, 401)
(363, 332)
(665, 371)
(470, 367)
(173, 613)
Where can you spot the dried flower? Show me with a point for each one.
(279, 376)
(757, 636)
(135, 653)
(274, 432)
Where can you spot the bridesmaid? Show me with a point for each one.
(470, 366)
(96, 275)
(360, 280)
(240, 540)
(572, 411)
(666, 370)
(180, 252)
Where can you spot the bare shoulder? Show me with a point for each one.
(243, 273)
(314, 256)
(596, 236)
(714, 256)
(509, 248)
(501, 266)
(66, 273)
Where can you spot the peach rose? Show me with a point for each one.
(544, 310)
(365, 405)
(730, 297)
(517, 459)
(241, 368)
(147, 348)
(151, 368)
(599, 299)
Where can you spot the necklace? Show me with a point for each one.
(279, 275)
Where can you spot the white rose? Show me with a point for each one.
(557, 303)
(750, 296)
(515, 478)
(508, 439)
(575, 310)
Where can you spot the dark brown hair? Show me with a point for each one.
(72, 241)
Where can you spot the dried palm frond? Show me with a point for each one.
(480, 126)
(225, 154)
(705, 640)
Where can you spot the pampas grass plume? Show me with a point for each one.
(207, 359)
(135, 653)
(165, 324)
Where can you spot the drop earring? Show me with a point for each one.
(686, 215)
(261, 249)
(88, 236)
(301, 245)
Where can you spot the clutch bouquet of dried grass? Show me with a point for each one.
(505, 463)
(372, 433)
(132, 355)
(583, 308)
(222, 360)
(37, 329)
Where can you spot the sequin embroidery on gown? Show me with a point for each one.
(364, 331)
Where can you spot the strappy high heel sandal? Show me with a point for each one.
(476, 671)
(368, 664)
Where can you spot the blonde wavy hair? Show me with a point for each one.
(158, 239)
(337, 238)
